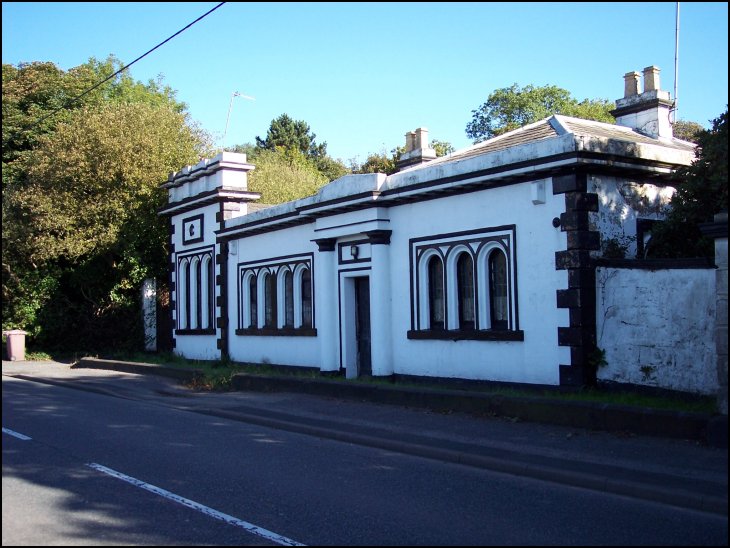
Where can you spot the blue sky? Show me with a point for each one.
(363, 74)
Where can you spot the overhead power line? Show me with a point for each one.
(125, 67)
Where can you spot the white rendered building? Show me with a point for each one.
(478, 265)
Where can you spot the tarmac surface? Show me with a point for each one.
(556, 445)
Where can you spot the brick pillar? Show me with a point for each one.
(580, 297)
(221, 281)
(172, 280)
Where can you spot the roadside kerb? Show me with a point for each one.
(711, 429)
(577, 414)
(178, 373)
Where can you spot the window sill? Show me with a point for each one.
(482, 335)
(210, 331)
(283, 332)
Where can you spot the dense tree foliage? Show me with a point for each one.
(513, 107)
(287, 133)
(380, 162)
(283, 175)
(384, 162)
(32, 91)
(286, 136)
(80, 195)
(702, 191)
(687, 131)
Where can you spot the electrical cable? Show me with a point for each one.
(74, 99)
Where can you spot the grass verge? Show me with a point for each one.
(217, 375)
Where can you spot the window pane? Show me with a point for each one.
(253, 309)
(211, 294)
(465, 280)
(498, 290)
(306, 299)
(288, 299)
(199, 295)
(436, 293)
(270, 301)
(183, 296)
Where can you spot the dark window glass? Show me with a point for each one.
(211, 294)
(306, 298)
(288, 299)
(252, 308)
(270, 301)
(436, 293)
(498, 290)
(465, 289)
(186, 296)
(198, 295)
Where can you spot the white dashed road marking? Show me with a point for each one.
(250, 527)
(16, 434)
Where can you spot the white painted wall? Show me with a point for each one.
(620, 203)
(534, 360)
(295, 351)
(657, 327)
(209, 229)
(210, 174)
(196, 347)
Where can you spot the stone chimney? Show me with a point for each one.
(417, 150)
(647, 111)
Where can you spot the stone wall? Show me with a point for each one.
(657, 327)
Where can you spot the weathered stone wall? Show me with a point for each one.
(657, 327)
(621, 203)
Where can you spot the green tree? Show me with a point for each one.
(381, 162)
(513, 107)
(702, 191)
(295, 135)
(80, 197)
(384, 162)
(86, 179)
(282, 175)
(442, 148)
(687, 131)
(285, 132)
(329, 167)
(31, 92)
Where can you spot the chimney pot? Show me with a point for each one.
(411, 141)
(417, 149)
(631, 83)
(421, 138)
(651, 79)
(647, 112)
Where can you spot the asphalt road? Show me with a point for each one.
(107, 470)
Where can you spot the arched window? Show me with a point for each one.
(498, 290)
(210, 290)
(270, 301)
(306, 289)
(465, 291)
(205, 287)
(464, 287)
(436, 302)
(183, 295)
(288, 299)
(194, 294)
(252, 289)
